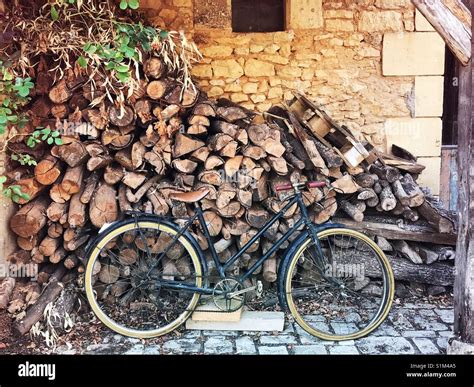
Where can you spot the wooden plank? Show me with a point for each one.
(449, 177)
(449, 18)
(392, 231)
(464, 287)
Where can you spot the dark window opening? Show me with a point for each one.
(451, 100)
(258, 15)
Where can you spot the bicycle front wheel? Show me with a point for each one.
(126, 275)
(341, 290)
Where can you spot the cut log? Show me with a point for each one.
(49, 295)
(184, 145)
(416, 195)
(156, 89)
(103, 206)
(31, 218)
(48, 170)
(387, 199)
(60, 93)
(154, 68)
(439, 222)
(72, 180)
(89, 188)
(77, 211)
(73, 154)
(345, 185)
(407, 251)
(352, 211)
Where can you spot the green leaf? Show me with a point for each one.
(3, 119)
(133, 4)
(54, 13)
(123, 77)
(3, 179)
(58, 141)
(7, 76)
(163, 34)
(122, 68)
(55, 134)
(123, 4)
(16, 189)
(25, 196)
(82, 62)
(23, 91)
(50, 141)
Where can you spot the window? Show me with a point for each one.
(258, 15)
(451, 100)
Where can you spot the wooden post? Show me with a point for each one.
(464, 284)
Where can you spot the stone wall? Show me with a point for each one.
(375, 65)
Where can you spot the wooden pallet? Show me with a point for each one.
(328, 132)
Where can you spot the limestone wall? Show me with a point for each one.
(375, 65)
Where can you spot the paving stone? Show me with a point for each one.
(279, 339)
(182, 346)
(289, 328)
(416, 333)
(310, 350)
(400, 322)
(344, 328)
(343, 350)
(347, 342)
(105, 349)
(447, 334)
(427, 312)
(137, 349)
(385, 330)
(245, 346)
(279, 350)
(426, 346)
(431, 325)
(385, 344)
(446, 315)
(218, 346)
(152, 350)
(306, 338)
(442, 343)
(220, 333)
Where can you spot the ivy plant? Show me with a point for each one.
(14, 93)
(13, 191)
(24, 159)
(51, 137)
(133, 4)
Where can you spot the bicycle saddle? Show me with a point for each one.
(189, 197)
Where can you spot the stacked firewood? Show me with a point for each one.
(166, 139)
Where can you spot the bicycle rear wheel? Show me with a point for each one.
(126, 274)
(343, 291)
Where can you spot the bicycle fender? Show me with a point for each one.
(288, 254)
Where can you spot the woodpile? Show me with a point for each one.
(167, 140)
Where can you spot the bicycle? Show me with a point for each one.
(145, 274)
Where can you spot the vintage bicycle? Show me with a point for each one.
(336, 282)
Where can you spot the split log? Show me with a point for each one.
(103, 206)
(352, 211)
(72, 180)
(435, 218)
(49, 295)
(48, 170)
(31, 218)
(387, 199)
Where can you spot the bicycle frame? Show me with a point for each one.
(222, 267)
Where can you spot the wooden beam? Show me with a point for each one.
(464, 286)
(392, 231)
(453, 22)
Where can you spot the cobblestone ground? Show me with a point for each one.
(409, 329)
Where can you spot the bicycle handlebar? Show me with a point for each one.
(290, 186)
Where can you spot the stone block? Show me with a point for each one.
(339, 25)
(258, 68)
(202, 71)
(429, 96)
(217, 51)
(421, 23)
(413, 53)
(430, 177)
(380, 21)
(305, 14)
(250, 321)
(420, 136)
(227, 68)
